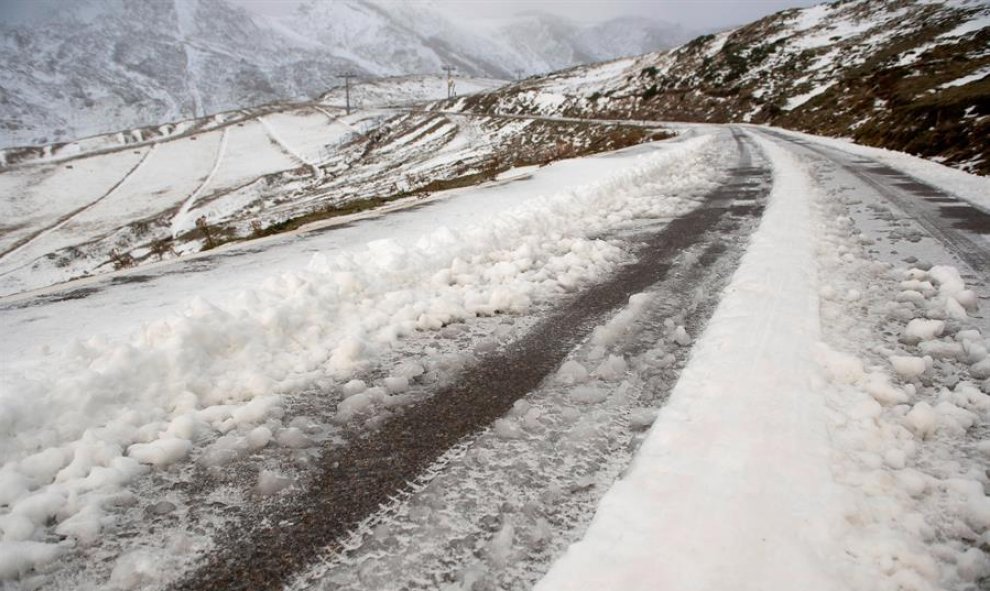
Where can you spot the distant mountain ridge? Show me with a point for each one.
(909, 75)
(79, 68)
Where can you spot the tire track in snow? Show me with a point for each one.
(735, 472)
(513, 483)
(180, 217)
(59, 223)
(354, 482)
(339, 121)
(951, 221)
(330, 116)
(314, 167)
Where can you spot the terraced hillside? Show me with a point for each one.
(142, 196)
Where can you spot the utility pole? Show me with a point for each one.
(519, 74)
(450, 81)
(347, 88)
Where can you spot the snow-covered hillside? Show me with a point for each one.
(147, 195)
(908, 75)
(73, 69)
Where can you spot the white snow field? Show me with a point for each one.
(826, 432)
(70, 205)
(45, 196)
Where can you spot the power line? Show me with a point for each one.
(450, 81)
(347, 88)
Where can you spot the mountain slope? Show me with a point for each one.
(125, 199)
(143, 63)
(95, 66)
(909, 75)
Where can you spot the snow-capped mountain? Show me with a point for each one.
(95, 66)
(626, 36)
(910, 75)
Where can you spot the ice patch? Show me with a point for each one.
(740, 413)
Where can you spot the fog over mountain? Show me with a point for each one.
(92, 66)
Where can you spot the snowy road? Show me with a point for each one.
(471, 406)
(956, 223)
(818, 439)
(359, 478)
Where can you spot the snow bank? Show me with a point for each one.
(731, 488)
(207, 384)
(903, 421)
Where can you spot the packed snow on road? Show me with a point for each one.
(823, 429)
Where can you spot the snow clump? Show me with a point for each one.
(922, 329)
(909, 367)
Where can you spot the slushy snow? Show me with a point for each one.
(208, 384)
(781, 462)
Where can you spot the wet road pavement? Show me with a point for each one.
(964, 229)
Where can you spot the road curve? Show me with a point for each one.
(353, 482)
(958, 225)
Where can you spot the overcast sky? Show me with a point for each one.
(692, 14)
